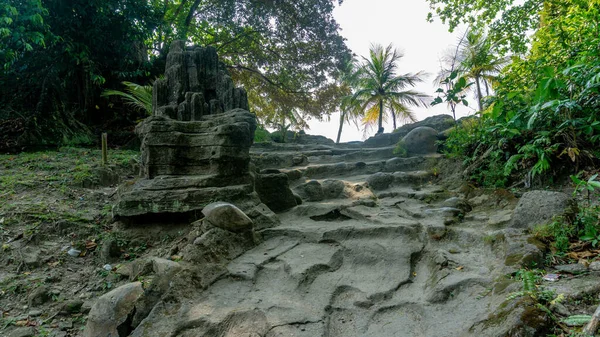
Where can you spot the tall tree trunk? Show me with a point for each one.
(188, 19)
(394, 118)
(479, 93)
(283, 128)
(380, 130)
(342, 115)
(487, 88)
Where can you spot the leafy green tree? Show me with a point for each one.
(543, 120)
(22, 28)
(454, 92)
(509, 23)
(378, 87)
(287, 51)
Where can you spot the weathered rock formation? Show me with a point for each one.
(195, 146)
(438, 122)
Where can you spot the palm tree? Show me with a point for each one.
(349, 112)
(477, 61)
(349, 109)
(378, 87)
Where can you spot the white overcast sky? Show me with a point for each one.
(402, 23)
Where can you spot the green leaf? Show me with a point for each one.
(595, 184)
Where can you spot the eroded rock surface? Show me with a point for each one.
(358, 257)
(195, 147)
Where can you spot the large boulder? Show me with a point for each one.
(438, 122)
(110, 313)
(383, 139)
(274, 191)
(421, 140)
(227, 216)
(539, 207)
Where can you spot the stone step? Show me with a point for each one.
(301, 156)
(360, 168)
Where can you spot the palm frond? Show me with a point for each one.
(135, 95)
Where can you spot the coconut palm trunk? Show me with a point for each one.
(479, 95)
(380, 130)
(339, 135)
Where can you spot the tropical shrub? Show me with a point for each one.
(545, 118)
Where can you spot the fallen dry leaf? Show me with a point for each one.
(460, 268)
(90, 245)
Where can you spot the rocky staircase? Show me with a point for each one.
(377, 248)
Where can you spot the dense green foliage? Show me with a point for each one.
(59, 56)
(21, 28)
(509, 23)
(576, 234)
(545, 117)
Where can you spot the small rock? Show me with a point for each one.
(498, 220)
(87, 306)
(299, 160)
(380, 180)
(227, 216)
(38, 297)
(31, 257)
(298, 199)
(263, 217)
(595, 266)
(274, 191)
(35, 313)
(164, 266)
(110, 249)
(560, 309)
(551, 277)
(125, 270)
(71, 307)
(365, 202)
(107, 267)
(53, 278)
(459, 203)
(65, 325)
(23, 332)
(573, 268)
(73, 252)
(480, 200)
(445, 211)
(310, 191)
(333, 188)
(440, 259)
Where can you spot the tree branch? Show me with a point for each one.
(266, 79)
